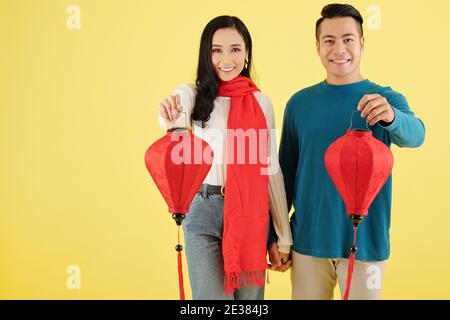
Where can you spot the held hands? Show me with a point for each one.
(170, 107)
(376, 108)
(279, 261)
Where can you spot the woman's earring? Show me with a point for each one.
(246, 64)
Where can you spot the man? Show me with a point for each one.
(313, 119)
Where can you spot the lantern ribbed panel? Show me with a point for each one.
(358, 165)
(179, 163)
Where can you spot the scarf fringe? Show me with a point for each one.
(235, 280)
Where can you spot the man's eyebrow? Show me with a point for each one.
(343, 36)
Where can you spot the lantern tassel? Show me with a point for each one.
(179, 248)
(180, 277)
(351, 263)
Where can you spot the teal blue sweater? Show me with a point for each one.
(313, 119)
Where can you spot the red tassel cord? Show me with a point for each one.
(351, 264)
(179, 248)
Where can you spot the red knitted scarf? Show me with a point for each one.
(246, 209)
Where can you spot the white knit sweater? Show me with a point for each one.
(215, 135)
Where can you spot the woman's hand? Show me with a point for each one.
(285, 261)
(279, 261)
(170, 107)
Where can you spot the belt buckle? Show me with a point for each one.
(204, 191)
(222, 190)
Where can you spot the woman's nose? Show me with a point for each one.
(226, 59)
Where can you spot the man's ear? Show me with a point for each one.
(317, 46)
(362, 42)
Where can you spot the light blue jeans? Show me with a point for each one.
(203, 227)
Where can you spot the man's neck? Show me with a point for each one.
(331, 79)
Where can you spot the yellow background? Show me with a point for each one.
(79, 109)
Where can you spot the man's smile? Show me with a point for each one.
(340, 61)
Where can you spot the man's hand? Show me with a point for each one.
(376, 108)
(279, 261)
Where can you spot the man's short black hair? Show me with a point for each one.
(336, 10)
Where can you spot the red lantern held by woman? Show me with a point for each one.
(179, 163)
(358, 165)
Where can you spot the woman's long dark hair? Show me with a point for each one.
(207, 81)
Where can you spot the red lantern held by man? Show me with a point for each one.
(178, 163)
(358, 165)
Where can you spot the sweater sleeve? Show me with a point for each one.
(277, 195)
(406, 130)
(187, 99)
(289, 153)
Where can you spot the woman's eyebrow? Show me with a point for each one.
(233, 45)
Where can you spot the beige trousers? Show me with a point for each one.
(315, 278)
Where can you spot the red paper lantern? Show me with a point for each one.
(179, 163)
(358, 165)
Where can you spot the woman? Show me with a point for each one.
(226, 228)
